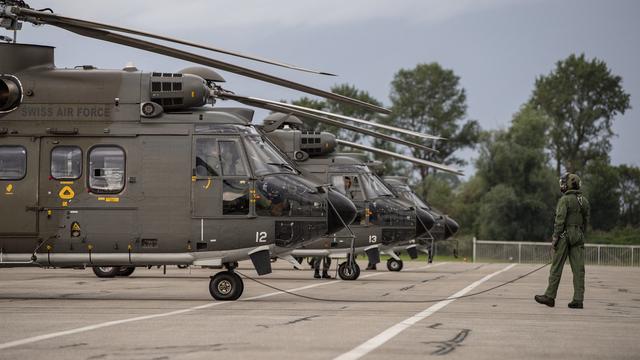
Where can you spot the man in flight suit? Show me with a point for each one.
(572, 218)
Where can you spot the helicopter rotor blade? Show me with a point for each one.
(97, 25)
(400, 156)
(108, 36)
(241, 98)
(335, 123)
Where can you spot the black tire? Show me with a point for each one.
(226, 286)
(347, 272)
(183, 266)
(126, 270)
(394, 265)
(106, 271)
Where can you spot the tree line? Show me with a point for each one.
(565, 126)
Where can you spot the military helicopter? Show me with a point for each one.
(114, 169)
(383, 220)
(444, 227)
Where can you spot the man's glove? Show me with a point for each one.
(554, 242)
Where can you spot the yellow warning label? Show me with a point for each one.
(9, 189)
(66, 193)
(75, 226)
(66, 182)
(65, 203)
(112, 199)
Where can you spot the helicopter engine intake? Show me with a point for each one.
(10, 93)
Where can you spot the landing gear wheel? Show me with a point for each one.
(394, 265)
(226, 285)
(126, 270)
(106, 271)
(347, 272)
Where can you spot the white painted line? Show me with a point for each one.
(391, 332)
(171, 313)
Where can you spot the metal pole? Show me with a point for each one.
(474, 249)
(519, 252)
(598, 254)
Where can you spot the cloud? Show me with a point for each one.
(173, 16)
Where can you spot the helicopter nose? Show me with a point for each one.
(450, 227)
(424, 221)
(341, 211)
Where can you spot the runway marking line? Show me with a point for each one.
(33, 339)
(388, 334)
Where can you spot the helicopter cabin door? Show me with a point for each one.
(220, 183)
(19, 186)
(221, 188)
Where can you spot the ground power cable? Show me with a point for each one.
(391, 301)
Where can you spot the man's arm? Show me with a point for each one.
(561, 216)
(586, 215)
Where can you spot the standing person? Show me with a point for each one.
(326, 264)
(572, 218)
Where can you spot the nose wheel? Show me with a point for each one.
(349, 270)
(394, 265)
(226, 285)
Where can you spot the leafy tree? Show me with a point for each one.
(629, 189)
(582, 97)
(600, 183)
(521, 189)
(429, 99)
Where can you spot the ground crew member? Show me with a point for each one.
(572, 218)
(326, 264)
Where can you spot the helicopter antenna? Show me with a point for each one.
(12, 14)
(52, 17)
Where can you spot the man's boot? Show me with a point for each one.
(544, 299)
(371, 267)
(575, 305)
(325, 274)
(317, 274)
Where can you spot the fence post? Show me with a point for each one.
(632, 250)
(598, 254)
(474, 249)
(519, 251)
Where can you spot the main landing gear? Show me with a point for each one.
(226, 285)
(113, 271)
(349, 270)
(394, 265)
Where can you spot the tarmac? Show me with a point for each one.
(71, 314)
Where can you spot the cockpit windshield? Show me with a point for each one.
(374, 187)
(406, 193)
(264, 158)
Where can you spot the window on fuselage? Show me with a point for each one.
(13, 162)
(66, 162)
(207, 157)
(106, 169)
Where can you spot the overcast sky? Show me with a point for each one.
(497, 47)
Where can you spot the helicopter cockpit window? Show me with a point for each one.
(13, 162)
(374, 187)
(348, 186)
(231, 156)
(106, 169)
(235, 197)
(66, 162)
(207, 158)
(264, 158)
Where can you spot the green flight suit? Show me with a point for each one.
(572, 218)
